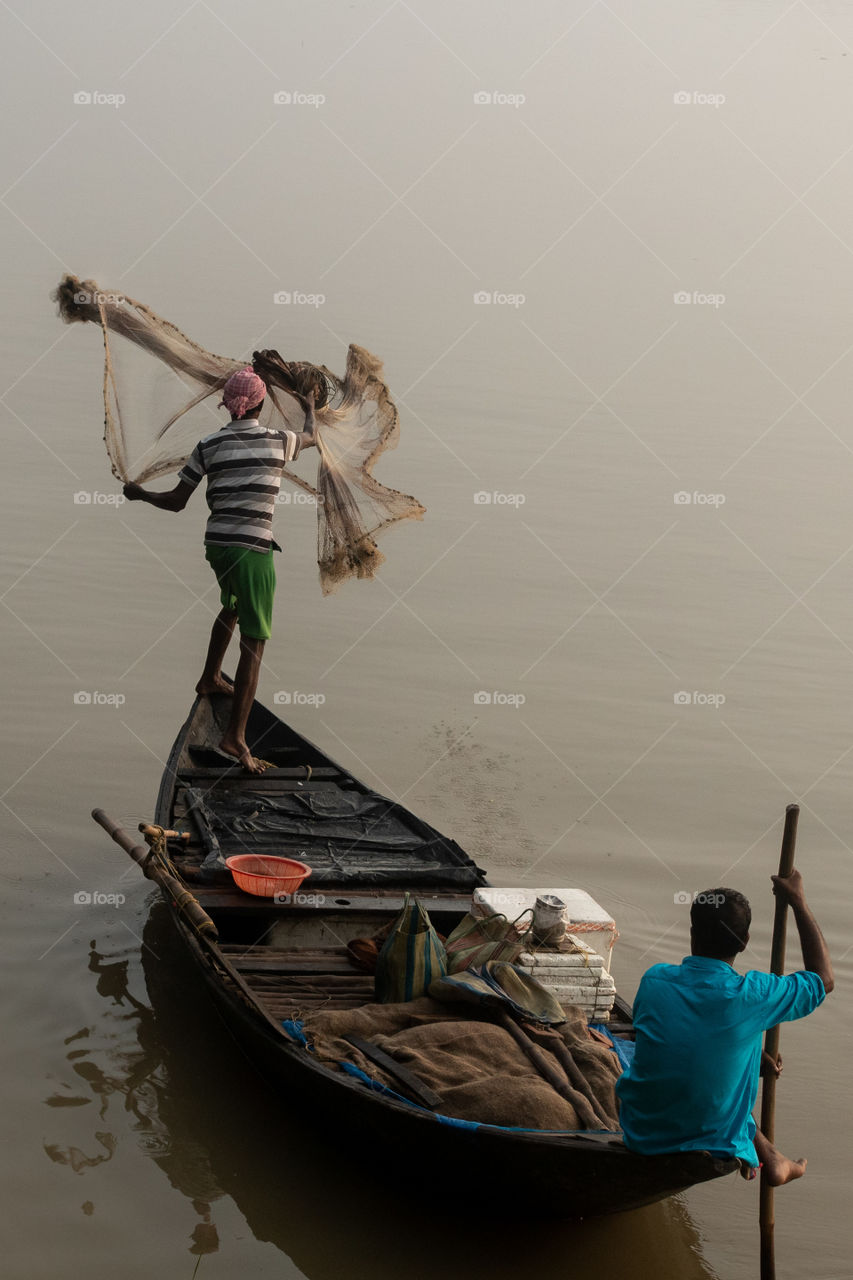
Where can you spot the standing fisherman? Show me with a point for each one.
(243, 462)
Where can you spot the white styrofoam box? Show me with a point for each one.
(552, 963)
(588, 994)
(560, 978)
(574, 974)
(584, 913)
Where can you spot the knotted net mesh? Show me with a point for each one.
(154, 415)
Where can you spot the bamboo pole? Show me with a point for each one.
(766, 1215)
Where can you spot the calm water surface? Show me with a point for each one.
(662, 228)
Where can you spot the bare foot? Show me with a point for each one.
(240, 752)
(781, 1170)
(219, 685)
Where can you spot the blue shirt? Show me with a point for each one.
(694, 1078)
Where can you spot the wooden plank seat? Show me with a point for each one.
(290, 982)
(266, 960)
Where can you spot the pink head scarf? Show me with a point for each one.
(242, 391)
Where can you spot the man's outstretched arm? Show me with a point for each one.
(815, 951)
(172, 500)
(307, 437)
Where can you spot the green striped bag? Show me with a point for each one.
(412, 957)
(477, 939)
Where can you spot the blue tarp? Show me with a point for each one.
(624, 1049)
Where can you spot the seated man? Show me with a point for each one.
(694, 1078)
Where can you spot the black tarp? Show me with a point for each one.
(349, 838)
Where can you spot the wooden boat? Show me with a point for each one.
(262, 959)
(217, 1135)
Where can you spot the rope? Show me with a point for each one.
(156, 839)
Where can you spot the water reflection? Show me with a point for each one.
(136, 1072)
(112, 979)
(216, 1129)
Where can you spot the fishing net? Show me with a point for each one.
(155, 414)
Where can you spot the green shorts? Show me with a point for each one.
(247, 582)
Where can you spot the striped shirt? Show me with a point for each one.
(243, 462)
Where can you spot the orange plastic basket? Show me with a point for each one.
(265, 876)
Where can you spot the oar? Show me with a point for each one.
(583, 1108)
(766, 1217)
